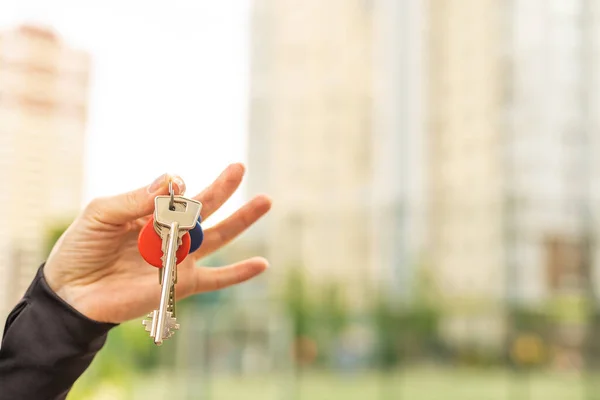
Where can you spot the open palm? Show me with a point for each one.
(96, 267)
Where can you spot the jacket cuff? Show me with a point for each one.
(55, 316)
(47, 345)
(81, 326)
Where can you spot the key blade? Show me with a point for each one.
(167, 283)
(164, 216)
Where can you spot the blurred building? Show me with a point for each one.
(591, 125)
(514, 111)
(43, 106)
(549, 146)
(336, 140)
(467, 79)
(466, 101)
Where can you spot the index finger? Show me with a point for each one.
(215, 195)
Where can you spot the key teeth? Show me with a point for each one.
(170, 327)
(147, 323)
(163, 259)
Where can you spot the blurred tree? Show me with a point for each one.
(332, 308)
(529, 319)
(425, 290)
(530, 332)
(297, 302)
(330, 319)
(411, 329)
(387, 322)
(126, 353)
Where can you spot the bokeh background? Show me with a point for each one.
(434, 167)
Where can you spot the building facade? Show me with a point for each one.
(43, 108)
(335, 138)
(513, 119)
(466, 171)
(548, 146)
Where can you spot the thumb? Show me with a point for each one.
(129, 206)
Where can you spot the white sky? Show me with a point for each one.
(170, 85)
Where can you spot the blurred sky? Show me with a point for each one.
(170, 85)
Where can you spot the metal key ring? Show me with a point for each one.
(172, 194)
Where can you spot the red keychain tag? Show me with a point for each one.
(150, 245)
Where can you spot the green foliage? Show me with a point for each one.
(387, 321)
(297, 302)
(528, 319)
(332, 308)
(475, 355)
(425, 287)
(409, 330)
(128, 353)
(570, 309)
(402, 331)
(405, 332)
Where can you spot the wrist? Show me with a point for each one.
(68, 294)
(68, 299)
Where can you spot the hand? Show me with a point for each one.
(96, 267)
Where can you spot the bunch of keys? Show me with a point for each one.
(170, 235)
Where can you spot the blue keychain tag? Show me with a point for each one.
(196, 236)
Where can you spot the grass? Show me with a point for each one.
(416, 384)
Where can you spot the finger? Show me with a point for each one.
(209, 279)
(140, 222)
(221, 189)
(228, 229)
(129, 206)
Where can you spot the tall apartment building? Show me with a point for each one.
(549, 145)
(591, 122)
(43, 107)
(514, 111)
(335, 138)
(466, 175)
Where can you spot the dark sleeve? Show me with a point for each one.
(46, 345)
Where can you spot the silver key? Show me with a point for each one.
(177, 204)
(173, 220)
(162, 319)
(160, 230)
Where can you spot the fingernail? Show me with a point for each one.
(157, 184)
(177, 181)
